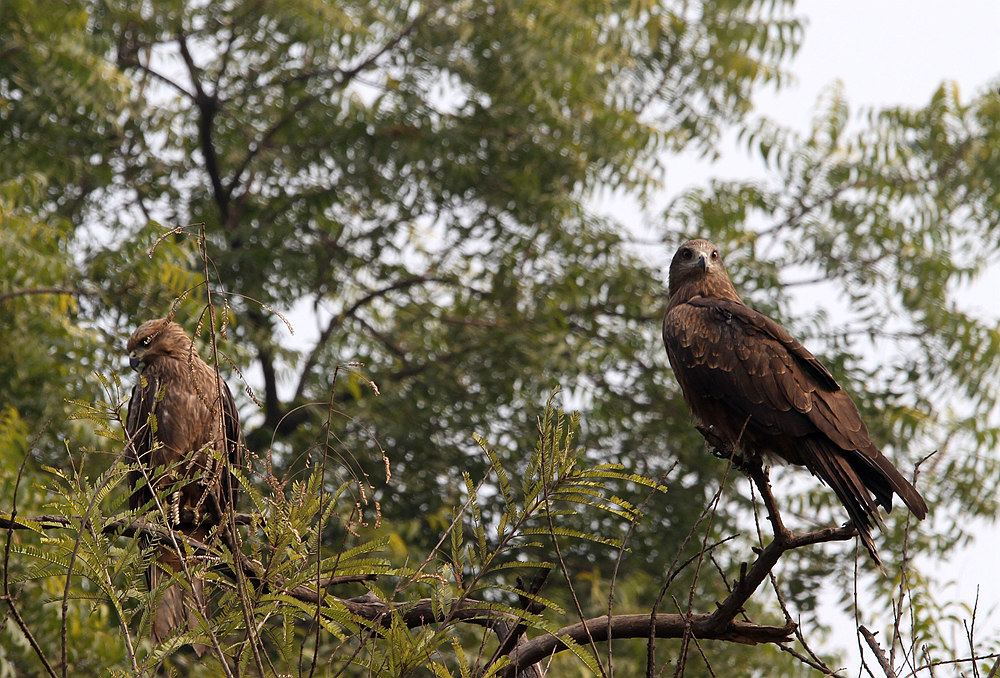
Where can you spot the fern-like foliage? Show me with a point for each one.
(273, 601)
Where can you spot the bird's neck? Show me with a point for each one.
(703, 286)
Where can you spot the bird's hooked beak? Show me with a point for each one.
(135, 361)
(703, 262)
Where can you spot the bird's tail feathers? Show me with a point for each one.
(176, 608)
(836, 471)
(895, 483)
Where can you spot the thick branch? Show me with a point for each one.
(276, 418)
(272, 406)
(719, 625)
(208, 107)
(752, 578)
(702, 626)
(784, 539)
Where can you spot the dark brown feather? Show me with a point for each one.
(182, 419)
(761, 390)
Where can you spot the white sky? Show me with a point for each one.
(885, 52)
(891, 52)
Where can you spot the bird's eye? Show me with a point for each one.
(147, 341)
(715, 254)
(686, 253)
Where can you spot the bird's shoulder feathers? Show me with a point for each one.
(728, 353)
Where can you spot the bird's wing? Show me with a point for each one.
(139, 438)
(234, 445)
(213, 421)
(726, 351)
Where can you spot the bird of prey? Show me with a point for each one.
(183, 436)
(758, 390)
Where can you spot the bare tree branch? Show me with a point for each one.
(373, 613)
(879, 654)
(717, 625)
(664, 625)
(337, 320)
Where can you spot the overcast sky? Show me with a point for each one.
(890, 52)
(884, 52)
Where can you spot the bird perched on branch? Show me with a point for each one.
(752, 387)
(183, 437)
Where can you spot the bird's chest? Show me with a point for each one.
(188, 420)
(707, 339)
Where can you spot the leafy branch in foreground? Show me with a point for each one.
(89, 543)
(486, 573)
(555, 485)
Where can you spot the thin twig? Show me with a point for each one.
(18, 619)
(673, 571)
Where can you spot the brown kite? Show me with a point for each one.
(183, 436)
(761, 392)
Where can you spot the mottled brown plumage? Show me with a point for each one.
(762, 392)
(183, 433)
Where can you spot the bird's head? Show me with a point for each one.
(693, 260)
(697, 266)
(151, 339)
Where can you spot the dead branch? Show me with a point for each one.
(879, 654)
(702, 626)
(719, 625)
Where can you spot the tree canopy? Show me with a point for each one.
(391, 205)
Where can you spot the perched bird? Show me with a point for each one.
(754, 387)
(183, 437)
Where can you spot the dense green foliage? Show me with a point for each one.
(410, 186)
